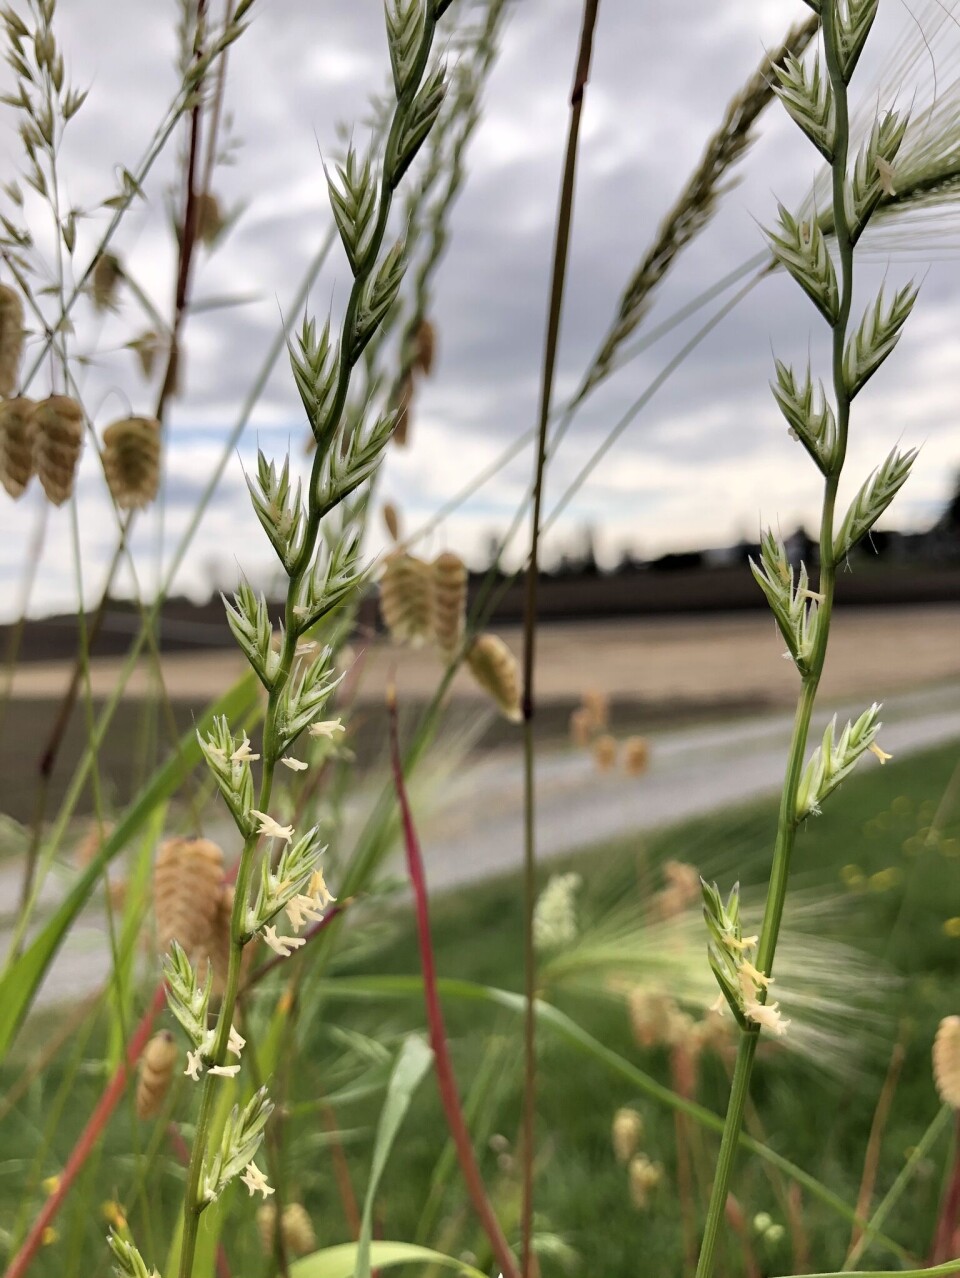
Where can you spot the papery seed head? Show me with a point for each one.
(57, 440)
(156, 1072)
(605, 752)
(636, 757)
(147, 347)
(297, 1230)
(407, 598)
(220, 943)
(391, 519)
(626, 1133)
(656, 1019)
(266, 1226)
(16, 444)
(107, 274)
(117, 890)
(581, 727)
(11, 339)
(596, 707)
(424, 347)
(131, 461)
(681, 891)
(946, 1061)
(210, 219)
(403, 408)
(645, 1176)
(495, 669)
(187, 890)
(91, 842)
(449, 601)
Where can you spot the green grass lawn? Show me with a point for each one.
(871, 847)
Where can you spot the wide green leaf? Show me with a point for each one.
(341, 1262)
(22, 975)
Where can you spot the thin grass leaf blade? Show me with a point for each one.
(413, 1062)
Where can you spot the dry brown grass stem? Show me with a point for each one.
(871, 1159)
(698, 200)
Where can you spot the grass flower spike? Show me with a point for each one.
(816, 97)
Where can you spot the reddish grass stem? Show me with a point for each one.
(88, 1137)
(446, 1081)
(943, 1241)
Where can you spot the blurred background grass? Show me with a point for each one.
(889, 845)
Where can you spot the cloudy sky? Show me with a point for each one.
(706, 461)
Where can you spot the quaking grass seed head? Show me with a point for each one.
(605, 750)
(581, 727)
(57, 441)
(636, 758)
(218, 948)
(147, 348)
(16, 445)
(424, 348)
(495, 669)
(391, 520)
(107, 274)
(645, 1176)
(407, 592)
(596, 707)
(626, 1133)
(156, 1073)
(11, 339)
(403, 408)
(187, 889)
(296, 1229)
(449, 601)
(210, 219)
(131, 461)
(946, 1061)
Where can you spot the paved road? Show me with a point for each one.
(478, 833)
(692, 772)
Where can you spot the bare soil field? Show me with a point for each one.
(679, 661)
(662, 673)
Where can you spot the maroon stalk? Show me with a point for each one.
(446, 1081)
(88, 1137)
